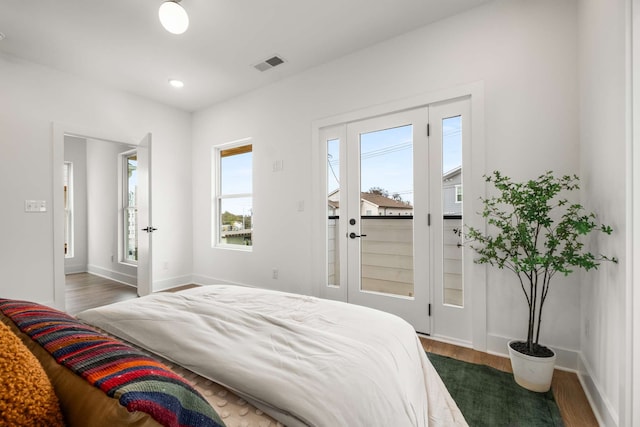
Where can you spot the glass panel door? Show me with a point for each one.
(386, 207)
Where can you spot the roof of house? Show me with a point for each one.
(385, 202)
(453, 172)
(376, 199)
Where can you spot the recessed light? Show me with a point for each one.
(178, 84)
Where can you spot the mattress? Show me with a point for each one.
(302, 360)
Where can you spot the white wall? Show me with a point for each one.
(525, 53)
(32, 98)
(603, 161)
(103, 212)
(75, 151)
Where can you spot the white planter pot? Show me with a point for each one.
(532, 373)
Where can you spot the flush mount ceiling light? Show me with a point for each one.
(173, 17)
(178, 84)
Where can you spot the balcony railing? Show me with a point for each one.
(387, 262)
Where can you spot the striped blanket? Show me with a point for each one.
(139, 382)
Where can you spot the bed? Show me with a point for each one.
(304, 361)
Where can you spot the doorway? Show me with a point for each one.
(394, 214)
(100, 186)
(111, 143)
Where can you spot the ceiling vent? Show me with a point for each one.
(267, 64)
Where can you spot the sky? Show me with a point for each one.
(237, 179)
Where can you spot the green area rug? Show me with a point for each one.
(489, 397)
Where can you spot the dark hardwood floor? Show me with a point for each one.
(84, 291)
(87, 291)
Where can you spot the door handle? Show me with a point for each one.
(354, 235)
(149, 229)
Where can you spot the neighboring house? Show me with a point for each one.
(237, 237)
(452, 192)
(372, 204)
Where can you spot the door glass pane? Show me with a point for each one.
(453, 292)
(333, 212)
(386, 211)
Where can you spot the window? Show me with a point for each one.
(129, 207)
(233, 199)
(68, 209)
(458, 193)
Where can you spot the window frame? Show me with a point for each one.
(458, 193)
(218, 197)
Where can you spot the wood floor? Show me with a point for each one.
(84, 291)
(87, 291)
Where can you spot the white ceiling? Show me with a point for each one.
(121, 43)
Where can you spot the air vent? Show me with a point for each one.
(267, 64)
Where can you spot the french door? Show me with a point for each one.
(394, 205)
(377, 227)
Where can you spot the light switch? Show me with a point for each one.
(35, 206)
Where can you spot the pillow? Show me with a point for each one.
(27, 397)
(101, 381)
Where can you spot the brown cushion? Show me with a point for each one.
(81, 403)
(27, 397)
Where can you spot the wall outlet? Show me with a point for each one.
(274, 273)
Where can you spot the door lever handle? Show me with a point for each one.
(354, 235)
(149, 229)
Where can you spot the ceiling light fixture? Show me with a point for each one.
(173, 17)
(178, 84)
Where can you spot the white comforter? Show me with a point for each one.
(305, 360)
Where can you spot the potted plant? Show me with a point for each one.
(535, 231)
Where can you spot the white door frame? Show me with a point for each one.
(475, 190)
(58, 132)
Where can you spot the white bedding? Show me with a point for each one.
(304, 360)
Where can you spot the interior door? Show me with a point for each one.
(145, 224)
(386, 221)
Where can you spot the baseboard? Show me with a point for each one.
(173, 282)
(207, 281)
(448, 340)
(602, 408)
(75, 268)
(113, 275)
(565, 359)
